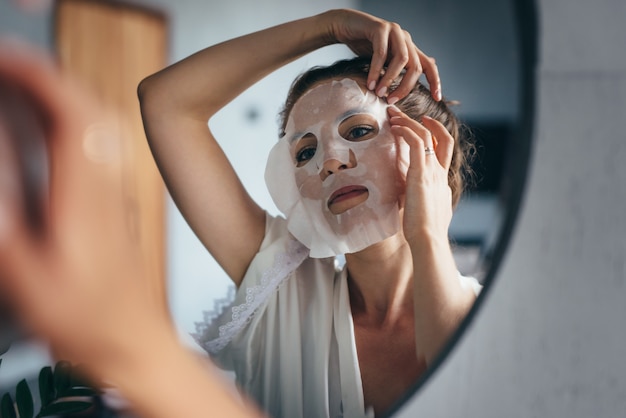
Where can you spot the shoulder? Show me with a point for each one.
(277, 258)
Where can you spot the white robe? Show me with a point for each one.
(289, 335)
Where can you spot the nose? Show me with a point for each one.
(333, 165)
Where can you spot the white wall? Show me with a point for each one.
(550, 339)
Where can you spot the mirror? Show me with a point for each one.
(479, 59)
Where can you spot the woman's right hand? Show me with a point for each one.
(389, 45)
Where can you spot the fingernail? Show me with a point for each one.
(394, 109)
(372, 85)
(382, 91)
(391, 100)
(438, 93)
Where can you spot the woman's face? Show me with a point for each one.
(337, 174)
(343, 152)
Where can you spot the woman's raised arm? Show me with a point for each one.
(177, 102)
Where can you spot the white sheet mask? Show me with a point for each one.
(337, 174)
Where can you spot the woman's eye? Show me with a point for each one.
(359, 133)
(304, 155)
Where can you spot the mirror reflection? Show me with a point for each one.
(334, 292)
(477, 56)
(478, 68)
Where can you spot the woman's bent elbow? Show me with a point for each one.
(143, 89)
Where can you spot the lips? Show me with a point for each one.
(347, 192)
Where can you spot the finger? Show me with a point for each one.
(412, 133)
(417, 156)
(21, 260)
(399, 118)
(33, 71)
(429, 68)
(445, 142)
(413, 70)
(13, 231)
(380, 45)
(399, 56)
(435, 142)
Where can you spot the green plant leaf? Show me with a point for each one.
(7, 410)
(69, 407)
(24, 400)
(80, 391)
(62, 376)
(46, 386)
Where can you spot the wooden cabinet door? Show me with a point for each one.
(110, 47)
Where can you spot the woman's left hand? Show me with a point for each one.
(441, 302)
(428, 200)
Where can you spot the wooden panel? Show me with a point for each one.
(111, 47)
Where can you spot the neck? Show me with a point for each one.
(380, 280)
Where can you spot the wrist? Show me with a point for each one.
(127, 355)
(428, 241)
(328, 22)
(171, 380)
(432, 250)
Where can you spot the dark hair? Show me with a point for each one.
(417, 103)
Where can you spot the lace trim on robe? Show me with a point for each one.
(256, 296)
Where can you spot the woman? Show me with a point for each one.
(303, 339)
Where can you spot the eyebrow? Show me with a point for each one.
(339, 119)
(352, 112)
(296, 136)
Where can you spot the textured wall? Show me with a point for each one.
(550, 338)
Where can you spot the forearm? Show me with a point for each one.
(176, 104)
(170, 381)
(440, 301)
(206, 81)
